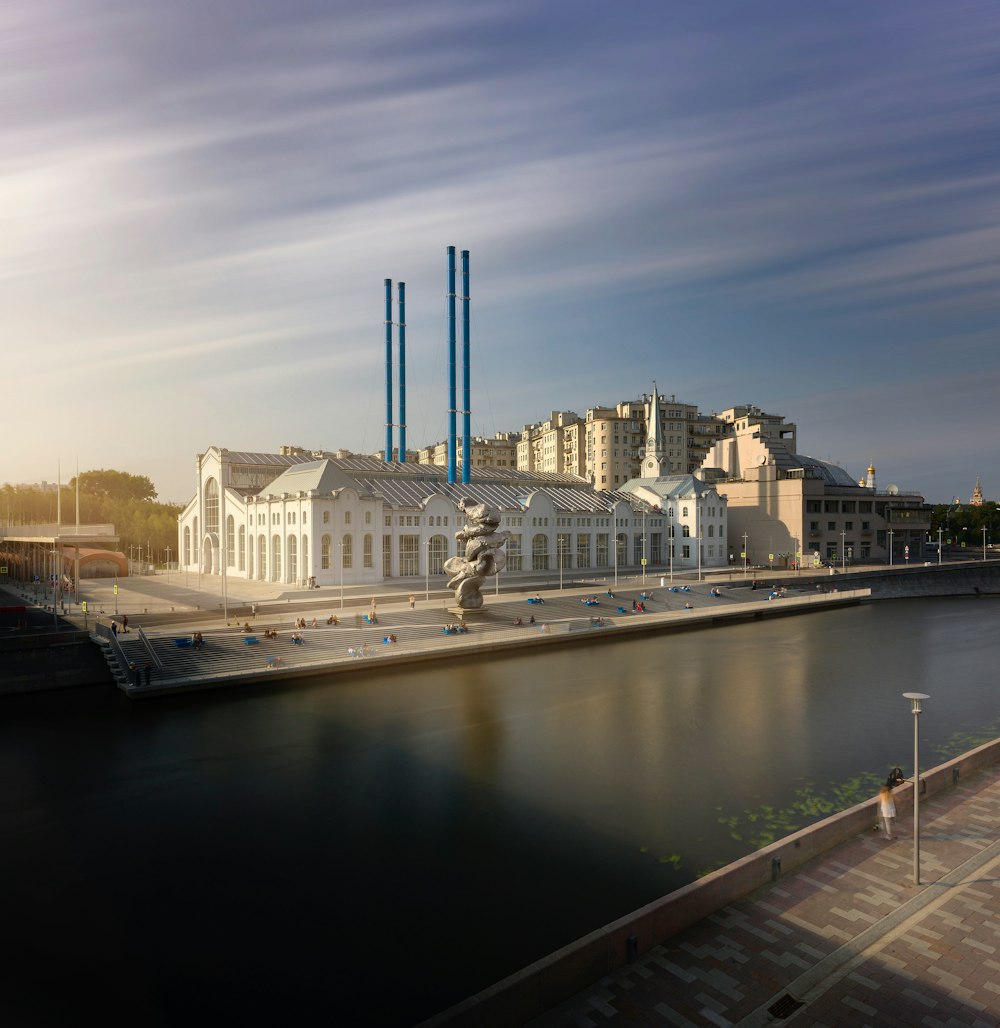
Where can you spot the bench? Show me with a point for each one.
(181, 643)
(249, 640)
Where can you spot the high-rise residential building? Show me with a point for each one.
(553, 446)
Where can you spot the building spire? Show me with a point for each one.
(656, 461)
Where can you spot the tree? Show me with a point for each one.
(115, 485)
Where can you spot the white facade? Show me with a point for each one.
(295, 519)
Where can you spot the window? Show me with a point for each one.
(243, 547)
(540, 553)
(187, 544)
(409, 555)
(276, 558)
(831, 526)
(583, 551)
(686, 531)
(386, 556)
(347, 517)
(686, 552)
(368, 555)
(261, 557)
(347, 551)
(211, 507)
(515, 560)
(437, 554)
(368, 517)
(293, 561)
(324, 553)
(231, 541)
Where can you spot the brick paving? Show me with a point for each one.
(847, 939)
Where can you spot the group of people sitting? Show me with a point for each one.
(519, 621)
(197, 641)
(270, 633)
(333, 620)
(461, 628)
(589, 601)
(390, 638)
(297, 638)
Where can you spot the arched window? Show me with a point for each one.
(275, 558)
(324, 553)
(437, 553)
(346, 552)
(211, 507)
(368, 553)
(196, 539)
(347, 517)
(711, 531)
(621, 547)
(686, 531)
(305, 555)
(249, 568)
(684, 512)
(243, 547)
(230, 541)
(293, 560)
(187, 544)
(540, 553)
(261, 557)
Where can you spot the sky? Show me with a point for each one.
(793, 204)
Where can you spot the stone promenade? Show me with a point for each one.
(844, 940)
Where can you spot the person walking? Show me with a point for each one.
(413, 601)
(886, 811)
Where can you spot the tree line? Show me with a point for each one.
(144, 526)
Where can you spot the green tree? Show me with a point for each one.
(116, 485)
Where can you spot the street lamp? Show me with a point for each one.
(644, 547)
(168, 565)
(614, 541)
(670, 539)
(939, 546)
(890, 547)
(916, 699)
(427, 570)
(746, 553)
(984, 542)
(559, 551)
(843, 551)
(341, 544)
(699, 554)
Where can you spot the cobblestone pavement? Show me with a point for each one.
(844, 940)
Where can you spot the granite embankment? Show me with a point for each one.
(966, 578)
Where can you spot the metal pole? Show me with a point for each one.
(614, 541)
(843, 551)
(699, 555)
(427, 570)
(644, 548)
(341, 576)
(916, 700)
(939, 546)
(746, 554)
(670, 537)
(984, 542)
(559, 548)
(890, 547)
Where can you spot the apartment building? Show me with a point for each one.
(553, 446)
(500, 451)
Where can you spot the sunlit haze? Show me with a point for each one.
(787, 204)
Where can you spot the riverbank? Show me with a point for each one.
(158, 661)
(827, 922)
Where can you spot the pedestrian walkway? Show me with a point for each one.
(847, 939)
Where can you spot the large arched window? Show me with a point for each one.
(438, 553)
(368, 555)
(346, 552)
(187, 544)
(261, 557)
(686, 531)
(196, 539)
(540, 553)
(621, 548)
(243, 547)
(293, 559)
(305, 556)
(249, 568)
(324, 553)
(275, 558)
(212, 507)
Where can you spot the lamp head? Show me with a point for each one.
(916, 698)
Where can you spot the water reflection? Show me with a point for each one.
(470, 816)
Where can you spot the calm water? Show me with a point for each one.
(369, 851)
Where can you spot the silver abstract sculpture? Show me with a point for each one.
(483, 553)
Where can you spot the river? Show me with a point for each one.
(371, 850)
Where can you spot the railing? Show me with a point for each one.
(54, 531)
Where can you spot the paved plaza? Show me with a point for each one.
(845, 940)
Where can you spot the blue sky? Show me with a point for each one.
(792, 204)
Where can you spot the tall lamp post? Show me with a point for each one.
(341, 575)
(168, 565)
(427, 570)
(984, 542)
(559, 552)
(746, 554)
(939, 545)
(614, 541)
(916, 699)
(890, 547)
(843, 551)
(644, 547)
(670, 541)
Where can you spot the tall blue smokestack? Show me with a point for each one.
(388, 370)
(402, 371)
(452, 442)
(466, 406)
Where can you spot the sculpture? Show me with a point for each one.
(483, 553)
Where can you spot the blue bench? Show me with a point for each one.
(249, 640)
(181, 643)
(532, 599)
